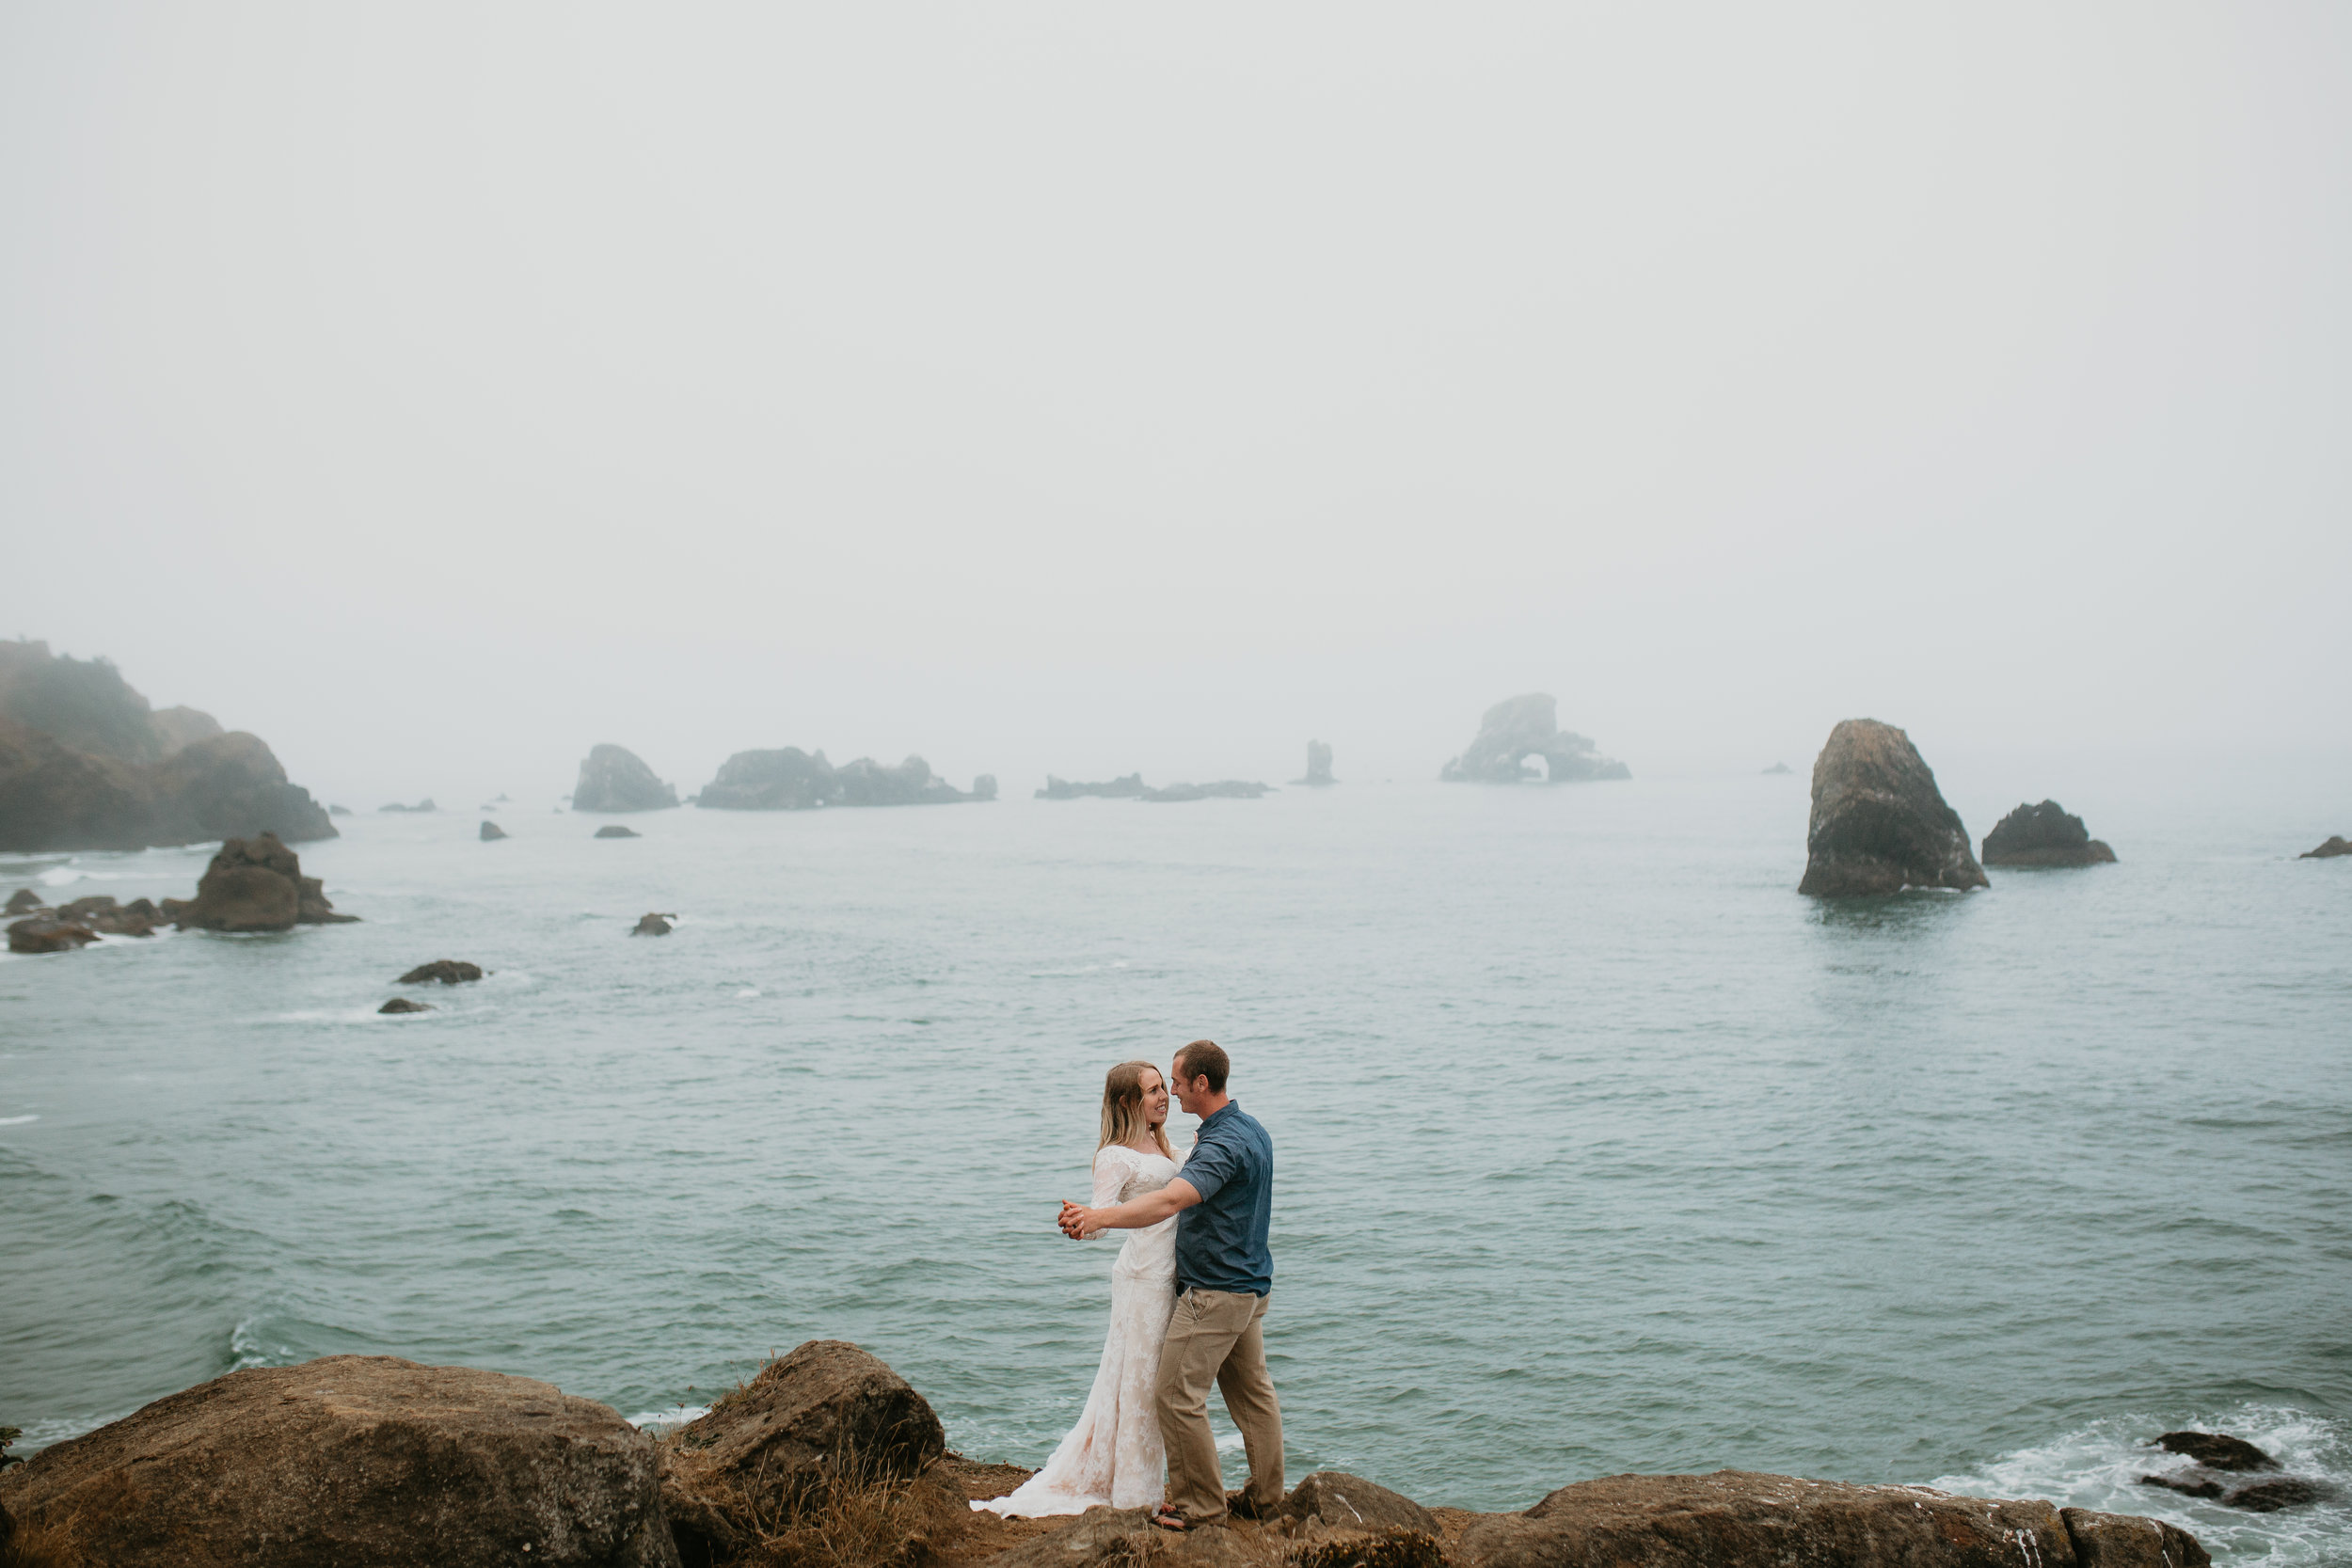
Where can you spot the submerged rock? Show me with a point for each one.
(614, 830)
(403, 1004)
(2045, 834)
(793, 780)
(2269, 1497)
(1224, 789)
(612, 778)
(1879, 823)
(1062, 790)
(24, 901)
(492, 832)
(101, 914)
(448, 971)
(2336, 845)
(355, 1460)
(771, 1446)
(1522, 727)
(46, 933)
(1738, 1517)
(651, 924)
(2217, 1450)
(1318, 765)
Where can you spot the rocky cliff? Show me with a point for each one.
(2046, 834)
(1880, 825)
(1523, 727)
(828, 1459)
(85, 766)
(612, 778)
(793, 780)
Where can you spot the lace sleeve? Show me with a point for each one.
(1111, 1176)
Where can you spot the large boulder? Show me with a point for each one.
(1340, 1501)
(356, 1462)
(232, 786)
(614, 830)
(612, 778)
(492, 832)
(1522, 727)
(826, 1412)
(1734, 1518)
(1879, 823)
(47, 933)
(2336, 845)
(2046, 834)
(448, 971)
(24, 901)
(252, 885)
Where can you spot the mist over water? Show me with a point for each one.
(1599, 1148)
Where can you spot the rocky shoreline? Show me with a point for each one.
(828, 1459)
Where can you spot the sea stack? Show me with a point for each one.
(491, 833)
(1522, 727)
(254, 884)
(2336, 845)
(1880, 825)
(2045, 834)
(1318, 764)
(612, 778)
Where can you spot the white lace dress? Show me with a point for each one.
(1114, 1454)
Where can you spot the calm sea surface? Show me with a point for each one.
(1599, 1149)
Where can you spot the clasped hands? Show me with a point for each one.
(1077, 1221)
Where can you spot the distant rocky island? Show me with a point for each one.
(85, 764)
(1130, 787)
(2336, 845)
(2046, 834)
(1224, 789)
(1318, 765)
(1879, 823)
(1523, 727)
(826, 1458)
(612, 778)
(793, 780)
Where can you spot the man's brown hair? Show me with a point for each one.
(1203, 1059)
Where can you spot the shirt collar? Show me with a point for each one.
(1215, 1117)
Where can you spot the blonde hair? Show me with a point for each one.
(1122, 1107)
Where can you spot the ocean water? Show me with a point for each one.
(1599, 1149)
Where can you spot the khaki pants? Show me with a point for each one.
(1214, 1336)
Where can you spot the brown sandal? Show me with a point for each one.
(1168, 1518)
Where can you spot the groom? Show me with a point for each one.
(1224, 1199)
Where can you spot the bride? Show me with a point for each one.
(1114, 1454)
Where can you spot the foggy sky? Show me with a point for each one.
(436, 391)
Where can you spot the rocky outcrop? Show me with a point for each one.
(1116, 790)
(46, 933)
(492, 832)
(653, 925)
(1340, 1501)
(774, 1443)
(2221, 1459)
(254, 884)
(794, 780)
(612, 778)
(403, 1004)
(425, 804)
(1224, 789)
(614, 830)
(178, 728)
(357, 1460)
(2045, 834)
(2336, 845)
(1318, 765)
(23, 901)
(1879, 823)
(448, 971)
(2130, 1540)
(1523, 727)
(85, 766)
(1736, 1517)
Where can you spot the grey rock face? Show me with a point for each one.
(1523, 727)
(492, 832)
(2045, 834)
(612, 778)
(2336, 845)
(790, 779)
(1880, 825)
(362, 1461)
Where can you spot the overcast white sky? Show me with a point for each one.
(438, 390)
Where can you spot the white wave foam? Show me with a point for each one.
(2099, 1465)
(18, 1121)
(676, 1416)
(747, 992)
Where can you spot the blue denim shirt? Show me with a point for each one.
(1221, 1240)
